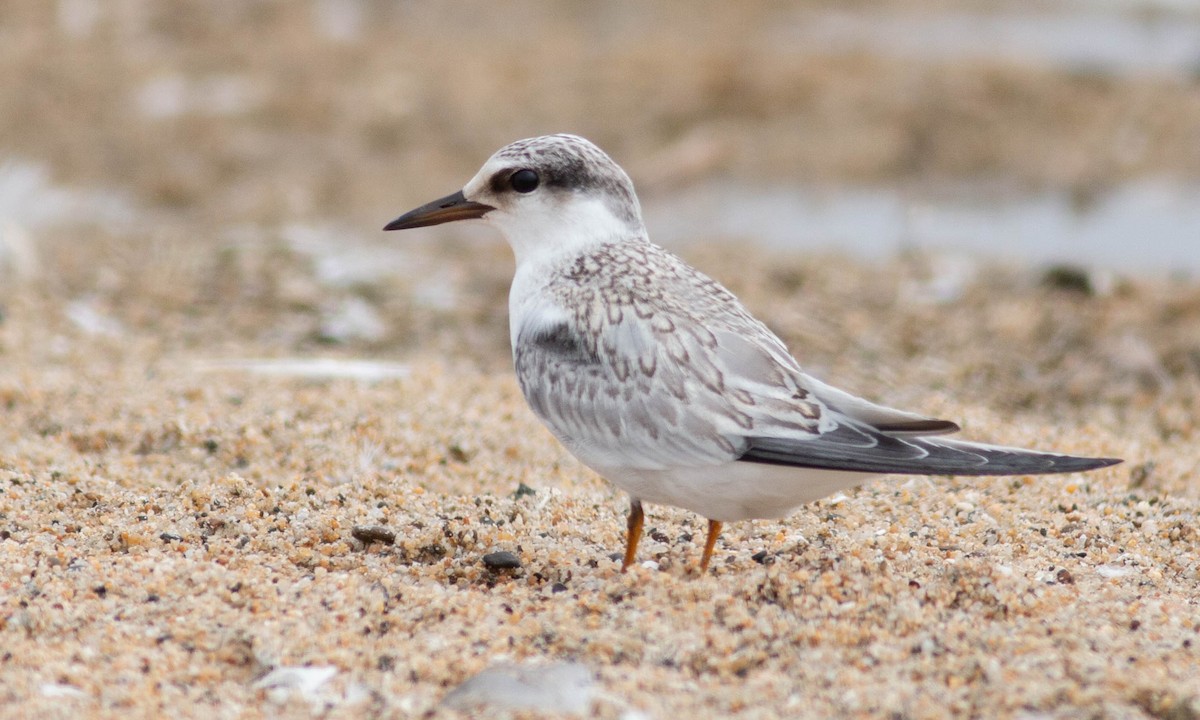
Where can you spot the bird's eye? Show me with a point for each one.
(524, 181)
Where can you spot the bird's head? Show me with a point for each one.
(549, 194)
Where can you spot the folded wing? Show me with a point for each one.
(857, 448)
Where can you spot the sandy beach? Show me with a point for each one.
(257, 459)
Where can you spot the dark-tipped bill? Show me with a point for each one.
(448, 209)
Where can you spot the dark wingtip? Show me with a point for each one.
(1083, 464)
(920, 427)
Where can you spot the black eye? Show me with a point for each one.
(524, 181)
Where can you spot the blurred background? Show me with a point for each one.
(211, 176)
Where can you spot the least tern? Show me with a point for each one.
(656, 377)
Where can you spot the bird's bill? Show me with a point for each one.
(448, 209)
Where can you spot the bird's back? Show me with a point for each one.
(627, 351)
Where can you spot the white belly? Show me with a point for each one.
(735, 490)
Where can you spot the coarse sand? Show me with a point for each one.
(174, 529)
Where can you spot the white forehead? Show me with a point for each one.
(564, 163)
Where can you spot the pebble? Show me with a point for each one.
(1070, 278)
(502, 560)
(373, 533)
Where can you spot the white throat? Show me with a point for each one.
(544, 238)
(548, 233)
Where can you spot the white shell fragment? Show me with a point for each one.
(556, 687)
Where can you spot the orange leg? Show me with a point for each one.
(714, 529)
(636, 517)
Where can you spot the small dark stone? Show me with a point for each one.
(502, 560)
(1135, 624)
(169, 537)
(373, 533)
(522, 491)
(5, 534)
(385, 663)
(457, 454)
(1070, 278)
(659, 536)
(100, 590)
(211, 446)
(914, 584)
(615, 557)
(1065, 577)
(152, 598)
(759, 557)
(557, 588)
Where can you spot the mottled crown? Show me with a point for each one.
(571, 163)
